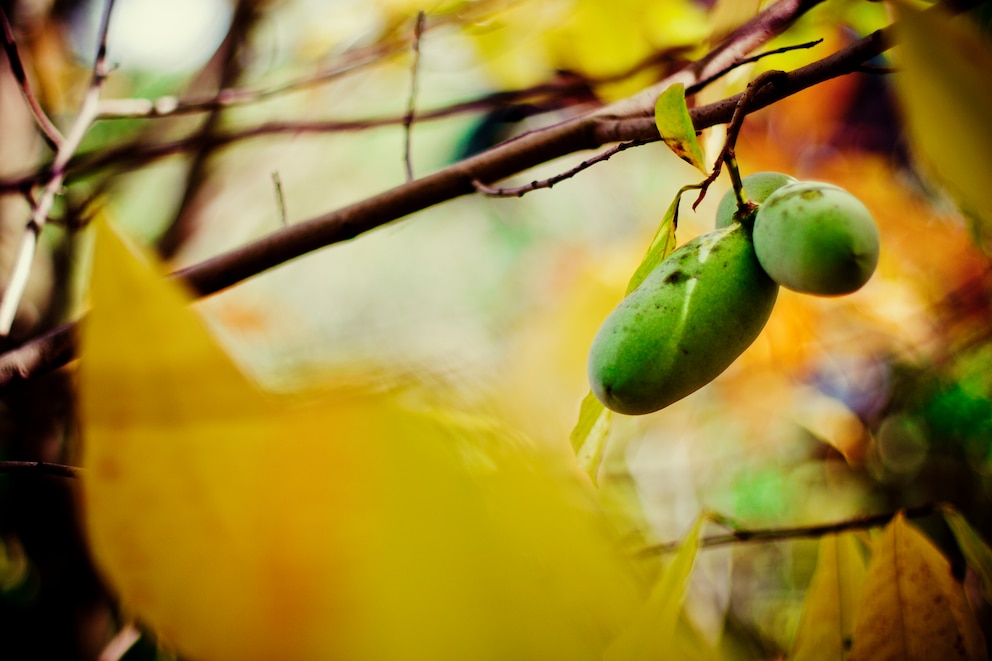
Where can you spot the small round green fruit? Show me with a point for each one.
(757, 188)
(816, 238)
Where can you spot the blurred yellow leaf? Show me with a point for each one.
(911, 608)
(945, 94)
(831, 600)
(671, 116)
(728, 15)
(652, 633)
(239, 525)
(526, 41)
(975, 549)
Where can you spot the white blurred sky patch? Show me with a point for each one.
(154, 35)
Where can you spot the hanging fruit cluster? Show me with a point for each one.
(707, 301)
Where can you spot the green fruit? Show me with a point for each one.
(693, 315)
(816, 238)
(757, 188)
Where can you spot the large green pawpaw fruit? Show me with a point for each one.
(693, 315)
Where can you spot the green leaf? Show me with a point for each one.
(975, 549)
(827, 621)
(671, 116)
(652, 633)
(662, 244)
(911, 606)
(947, 100)
(590, 434)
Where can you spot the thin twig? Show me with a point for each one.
(744, 535)
(226, 65)
(171, 106)
(520, 191)
(53, 138)
(877, 69)
(418, 31)
(39, 467)
(87, 113)
(619, 122)
(692, 89)
(280, 198)
(743, 107)
(121, 643)
(351, 60)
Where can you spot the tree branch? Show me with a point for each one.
(418, 32)
(520, 191)
(803, 532)
(628, 120)
(588, 132)
(11, 298)
(39, 467)
(49, 131)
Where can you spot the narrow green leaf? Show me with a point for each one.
(947, 100)
(671, 116)
(662, 244)
(827, 622)
(589, 435)
(975, 549)
(911, 605)
(652, 631)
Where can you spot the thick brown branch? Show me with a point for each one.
(629, 120)
(589, 132)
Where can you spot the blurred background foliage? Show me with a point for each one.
(863, 404)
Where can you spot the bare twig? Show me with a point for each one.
(692, 89)
(741, 110)
(39, 468)
(743, 535)
(87, 114)
(418, 31)
(119, 645)
(49, 131)
(877, 70)
(751, 35)
(351, 61)
(223, 70)
(52, 349)
(617, 123)
(171, 106)
(280, 198)
(520, 191)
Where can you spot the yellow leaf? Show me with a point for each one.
(947, 100)
(238, 525)
(975, 549)
(728, 15)
(671, 116)
(911, 608)
(828, 611)
(651, 633)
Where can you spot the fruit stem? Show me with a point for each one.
(745, 209)
(730, 160)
